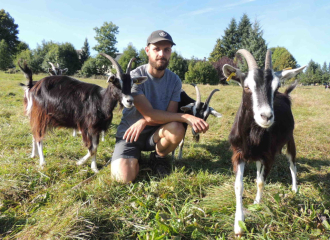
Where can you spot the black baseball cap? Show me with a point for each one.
(158, 36)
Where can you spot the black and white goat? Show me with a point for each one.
(56, 70)
(61, 101)
(263, 125)
(196, 108)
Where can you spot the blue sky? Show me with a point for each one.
(301, 26)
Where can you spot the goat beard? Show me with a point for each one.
(160, 66)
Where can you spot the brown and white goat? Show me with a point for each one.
(263, 125)
(196, 108)
(61, 101)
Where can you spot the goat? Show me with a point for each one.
(263, 125)
(196, 108)
(61, 101)
(56, 70)
(52, 71)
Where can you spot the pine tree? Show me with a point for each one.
(218, 51)
(243, 30)
(230, 39)
(256, 45)
(85, 53)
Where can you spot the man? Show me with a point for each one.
(153, 124)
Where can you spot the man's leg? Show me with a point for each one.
(168, 137)
(124, 170)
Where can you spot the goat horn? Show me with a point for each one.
(206, 104)
(117, 66)
(53, 67)
(128, 70)
(198, 96)
(249, 58)
(268, 61)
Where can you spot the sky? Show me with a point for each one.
(301, 26)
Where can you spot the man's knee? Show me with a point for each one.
(177, 129)
(124, 170)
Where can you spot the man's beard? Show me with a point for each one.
(160, 66)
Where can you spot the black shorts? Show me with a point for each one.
(127, 150)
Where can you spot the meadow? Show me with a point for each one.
(196, 201)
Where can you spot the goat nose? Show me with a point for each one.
(266, 117)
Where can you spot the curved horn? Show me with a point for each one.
(268, 61)
(198, 96)
(114, 62)
(206, 104)
(128, 70)
(53, 67)
(249, 58)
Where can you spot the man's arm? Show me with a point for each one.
(155, 116)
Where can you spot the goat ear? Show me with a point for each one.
(215, 113)
(111, 78)
(139, 80)
(64, 70)
(233, 73)
(188, 107)
(287, 74)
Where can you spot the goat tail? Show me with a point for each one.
(290, 88)
(27, 73)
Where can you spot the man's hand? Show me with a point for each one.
(198, 124)
(134, 131)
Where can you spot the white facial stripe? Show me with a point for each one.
(263, 113)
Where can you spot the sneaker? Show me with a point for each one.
(159, 164)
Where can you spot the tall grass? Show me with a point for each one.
(196, 201)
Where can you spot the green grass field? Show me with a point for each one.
(196, 201)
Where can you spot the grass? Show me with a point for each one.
(196, 201)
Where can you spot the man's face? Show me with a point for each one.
(159, 54)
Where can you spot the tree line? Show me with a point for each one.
(244, 34)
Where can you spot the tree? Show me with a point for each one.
(90, 67)
(230, 39)
(243, 30)
(178, 65)
(5, 56)
(256, 45)
(143, 57)
(219, 65)
(65, 55)
(218, 51)
(325, 73)
(201, 72)
(282, 58)
(106, 38)
(8, 31)
(21, 46)
(85, 53)
(128, 53)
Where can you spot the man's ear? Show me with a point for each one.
(233, 73)
(139, 80)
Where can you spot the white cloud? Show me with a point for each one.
(238, 3)
(198, 12)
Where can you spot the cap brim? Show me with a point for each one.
(161, 39)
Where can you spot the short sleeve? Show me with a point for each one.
(177, 90)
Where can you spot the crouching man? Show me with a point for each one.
(154, 124)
